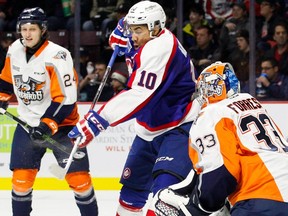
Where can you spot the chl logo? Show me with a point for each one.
(30, 90)
(96, 122)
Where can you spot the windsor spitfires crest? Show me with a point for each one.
(32, 90)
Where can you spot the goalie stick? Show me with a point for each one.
(53, 143)
(59, 171)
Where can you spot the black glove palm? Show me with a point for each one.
(4, 104)
(37, 134)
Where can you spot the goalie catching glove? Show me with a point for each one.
(170, 203)
(88, 128)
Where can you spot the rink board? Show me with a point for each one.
(107, 152)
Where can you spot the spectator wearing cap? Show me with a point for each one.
(118, 81)
(6, 40)
(231, 26)
(239, 58)
(108, 25)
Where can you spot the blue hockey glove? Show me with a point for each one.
(117, 38)
(37, 134)
(88, 128)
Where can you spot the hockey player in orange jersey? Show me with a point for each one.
(238, 153)
(42, 76)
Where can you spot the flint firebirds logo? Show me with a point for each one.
(61, 55)
(32, 90)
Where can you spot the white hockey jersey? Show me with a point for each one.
(239, 134)
(48, 76)
(159, 89)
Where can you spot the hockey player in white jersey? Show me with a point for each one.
(238, 153)
(158, 96)
(42, 76)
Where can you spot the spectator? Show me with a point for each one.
(6, 40)
(89, 85)
(84, 59)
(205, 51)
(171, 22)
(216, 12)
(13, 8)
(108, 25)
(196, 19)
(57, 19)
(271, 84)
(239, 58)
(231, 26)
(100, 11)
(2, 15)
(266, 23)
(118, 81)
(85, 5)
(280, 50)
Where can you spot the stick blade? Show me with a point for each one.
(2, 111)
(57, 171)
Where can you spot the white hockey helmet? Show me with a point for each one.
(217, 82)
(146, 12)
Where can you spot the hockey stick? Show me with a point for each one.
(48, 139)
(60, 172)
(105, 77)
(57, 170)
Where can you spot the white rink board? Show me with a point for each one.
(108, 151)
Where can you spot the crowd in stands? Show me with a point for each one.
(212, 30)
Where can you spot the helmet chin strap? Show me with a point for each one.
(152, 35)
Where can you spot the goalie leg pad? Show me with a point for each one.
(23, 181)
(79, 182)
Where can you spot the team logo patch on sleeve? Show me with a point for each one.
(61, 55)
